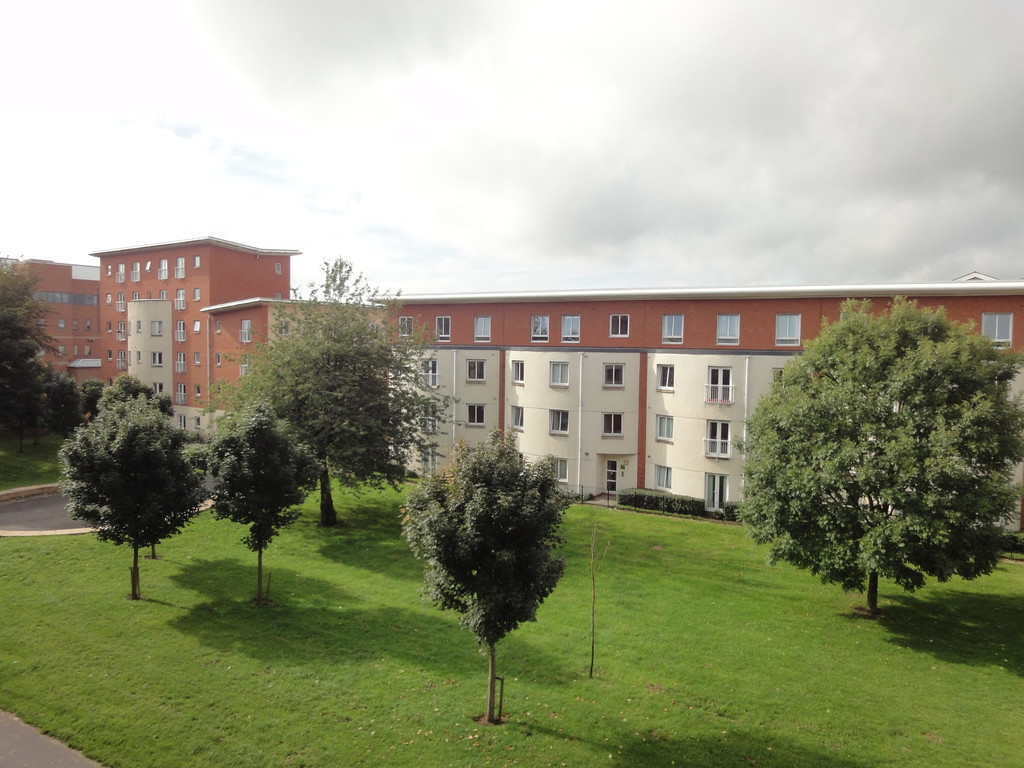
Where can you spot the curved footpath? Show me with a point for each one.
(35, 511)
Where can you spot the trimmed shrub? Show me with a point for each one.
(659, 501)
(1013, 545)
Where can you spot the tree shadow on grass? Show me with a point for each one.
(314, 623)
(725, 749)
(959, 627)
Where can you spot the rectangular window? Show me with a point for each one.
(156, 327)
(122, 334)
(179, 267)
(120, 273)
(136, 295)
(163, 295)
(121, 306)
(197, 326)
(613, 374)
(559, 422)
(196, 358)
(216, 359)
(672, 329)
(539, 328)
(199, 422)
(717, 441)
(666, 377)
(61, 322)
(719, 389)
(136, 272)
(664, 428)
(618, 326)
(571, 328)
(428, 425)
(663, 477)
(716, 491)
(161, 272)
(179, 330)
(195, 294)
(559, 374)
(181, 421)
(482, 328)
(245, 332)
(787, 330)
(198, 390)
(728, 329)
(518, 371)
(429, 373)
(562, 470)
(998, 326)
(216, 326)
(611, 425)
(405, 326)
(179, 363)
(475, 370)
(179, 298)
(109, 299)
(158, 387)
(180, 395)
(475, 417)
(518, 416)
(442, 328)
(157, 359)
(195, 261)
(278, 269)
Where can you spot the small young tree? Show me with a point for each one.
(260, 476)
(125, 473)
(487, 529)
(886, 449)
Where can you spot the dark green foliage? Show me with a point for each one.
(886, 449)
(126, 475)
(1013, 544)
(487, 528)
(90, 391)
(127, 387)
(260, 476)
(659, 501)
(22, 336)
(62, 407)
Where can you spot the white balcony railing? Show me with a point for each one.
(179, 335)
(179, 367)
(120, 306)
(122, 336)
(721, 449)
(719, 394)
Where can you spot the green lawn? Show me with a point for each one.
(705, 656)
(34, 465)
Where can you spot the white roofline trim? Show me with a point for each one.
(243, 303)
(197, 241)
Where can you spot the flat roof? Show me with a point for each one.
(194, 242)
(255, 301)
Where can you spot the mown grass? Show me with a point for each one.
(705, 656)
(35, 464)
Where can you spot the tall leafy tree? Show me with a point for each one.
(125, 473)
(91, 390)
(261, 474)
(63, 404)
(127, 387)
(487, 527)
(886, 449)
(349, 386)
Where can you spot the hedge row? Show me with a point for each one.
(670, 504)
(1013, 544)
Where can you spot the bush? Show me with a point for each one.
(659, 501)
(1013, 545)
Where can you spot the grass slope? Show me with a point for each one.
(36, 464)
(705, 656)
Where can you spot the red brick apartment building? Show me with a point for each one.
(180, 315)
(648, 389)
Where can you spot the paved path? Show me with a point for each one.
(37, 516)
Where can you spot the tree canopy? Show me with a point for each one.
(22, 337)
(886, 449)
(349, 386)
(126, 474)
(487, 527)
(261, 474)
(127, 387)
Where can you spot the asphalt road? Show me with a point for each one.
(37, 514)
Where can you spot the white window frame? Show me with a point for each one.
(161, 272)
(245, 332)
(611, 425)
(787, 329)
(442, 328)
(559, 374)
(672, 329)
(405, 325)
(663, 477)
(476, 370)
(482, 328)
(179, 267)
(728, 329)
(666, 376)
(614, 375)
(558, 422)
(156, 327)
(618, 326)
(570, 329)
(518, 417)
(664, 428)
(429, 372)
(518, 371)
(197, 358)
(179, 363)
(179, 330)
(539, 327)
(716, 491)
(718, 439)
(998, 326)
(475, 415)
(562, 470)
(719, 389)
(157, 359)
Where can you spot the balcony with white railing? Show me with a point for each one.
(180, 397)
(122, 336)
(179, 367)
(718, 449)
(119, 277)
(136, 275)
(120, 306)
(179, 335)
(179, 272)
(179, 303)
(122, 364)
(718, 394)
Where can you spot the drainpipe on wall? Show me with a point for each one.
(579, 431)
(455, 394)
(746, 402)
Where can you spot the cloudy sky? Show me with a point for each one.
(464, 145)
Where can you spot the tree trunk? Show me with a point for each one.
(152, 552)
(259, 577)
(872, 595)
(492, 673)
(135, 572)
(593, 597)
(328, 515)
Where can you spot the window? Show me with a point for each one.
(216, 359)
(728, 329)
(179, 330)
(88, 350)
(245, 332)
(179, 267)
(136, 295)
(109, 270)
(74, 324)
(482, 328)
(61, 350)
(179, 298)
(475, 417)
(243, 368)
(717, 441)
(612, 425)
(787, 330)
(181, 421)
(198, 390)
(716, 491)
(518, 416)
(562, 470)
(539, 328)
(429, 373)
(428, 425)
(157, 358)
(161, 272)
(109, 326)
(60, 322)
(719, 388)
(618, 326)
(195, 261)
(664, 427)
(120, 273)
(666, 377)
(121, 306)
(442, 328)
(662, 477)
(136, 272)
(559, 374)
(672, 329)
(475, 370)
(122, 333)
(571, 328)
(613, 374)
(998, 326)
(559, 422)
(216, 326)
(158, 387)
(196, 358)
(163, 295)
(149, 266)
(195, 294)
(278, 269)
(109, 298)
(88, 325)
(518, 371)
(110, 355)
(405, 326)
(179, 363)
(180, 395)
(199, 422)
(197, 326)
(138, 356)
(156, 327)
